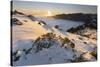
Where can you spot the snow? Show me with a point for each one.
(89, 57)
(28, 31)
(22, 44)
(25, 35)
(64, 24)
(55, 54)
(80, 43)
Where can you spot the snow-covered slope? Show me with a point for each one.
(30, 30)
(35, 43)
(63, 24)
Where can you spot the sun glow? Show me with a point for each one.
(49, 13)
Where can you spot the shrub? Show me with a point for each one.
(72, 45)
(45, 41)
(66, 40)
(49, 36)
(94, 53)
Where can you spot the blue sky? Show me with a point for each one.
(54, 7)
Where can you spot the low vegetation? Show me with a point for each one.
(94, 53)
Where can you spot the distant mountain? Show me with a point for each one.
(90, 20)
(77, 17)
(17, 12)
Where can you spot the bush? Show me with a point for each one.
(94, 53)
(72, 45)
(45, 41)
(49, 36)
(66, 40)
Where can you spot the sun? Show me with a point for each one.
(49, 13)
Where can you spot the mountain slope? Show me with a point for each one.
(37, 43)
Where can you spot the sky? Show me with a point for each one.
(42, 8)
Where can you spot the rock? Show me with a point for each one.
(72, 45)
(57, 26)
(15, 21)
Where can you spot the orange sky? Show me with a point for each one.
(41, 8)
(38, 12)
